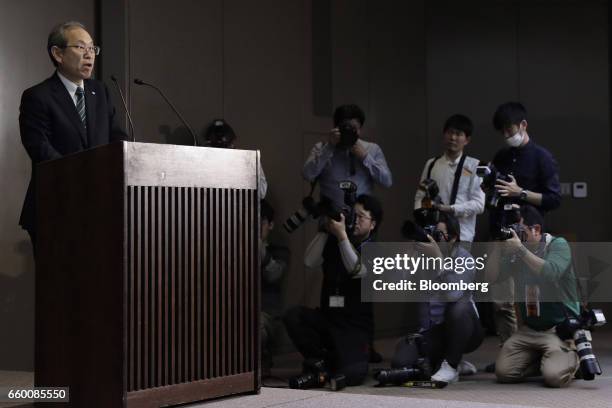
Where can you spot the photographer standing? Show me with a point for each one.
(542, 268)
(534, 179)
(220, 134)
(346, 156)
(533, 171)
(340, 330)
(455, 174)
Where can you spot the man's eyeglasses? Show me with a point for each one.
(362, 217)
(93, 49)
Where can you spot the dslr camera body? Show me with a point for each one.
(325, 207)
(409, 363)
(510, 215)
(315, 375)
(427, 217)
(490, 175)
(348, 135)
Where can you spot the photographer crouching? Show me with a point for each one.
(542, 268)
(449, 321)
(334, 338)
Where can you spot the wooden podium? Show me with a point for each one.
(147, 275)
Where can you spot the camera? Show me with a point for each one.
(315, 375)
(409, 363)
(348, 135)
(415, 232)
(578, 328)
(325, 208)
(510, 218)
(427, 217)
(490, 175)
(420, 371)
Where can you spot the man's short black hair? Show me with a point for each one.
(453, 229)
(348, 112)
(459, 122)
(266, 210)
(531, 216)
(508, 114)
(219, 134)
(372, 205)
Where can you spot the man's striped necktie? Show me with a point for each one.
(80, 105)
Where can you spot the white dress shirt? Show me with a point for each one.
(71, 87)
(470, 197)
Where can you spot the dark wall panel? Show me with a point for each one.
(24, 27)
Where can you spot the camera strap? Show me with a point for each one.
(458, 171)
(352, 169)
(313, 184)
(566, 310)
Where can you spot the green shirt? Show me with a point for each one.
(556, 280)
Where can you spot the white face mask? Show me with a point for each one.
(516, 140)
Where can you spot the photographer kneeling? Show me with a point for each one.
(338, 333)
(450, 323)
(542, 268)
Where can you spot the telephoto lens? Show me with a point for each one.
(306, 381)
(589, 366)
(314, 375)
(398, 376)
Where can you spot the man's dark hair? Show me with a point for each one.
(372, 205)
(348, 112)
(508, 114)
(453, 228)
(531, 216)
(459, 122)
(57, 37)
(266, 211)
(219, 134)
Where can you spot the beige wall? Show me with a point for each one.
(409, 64)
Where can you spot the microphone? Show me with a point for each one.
(141, 82)
(127, 111)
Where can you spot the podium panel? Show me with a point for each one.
(147, 281)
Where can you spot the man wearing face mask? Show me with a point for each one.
(533, 170)
(534, 175)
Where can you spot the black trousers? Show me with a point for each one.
(343, 346)
(459, 333)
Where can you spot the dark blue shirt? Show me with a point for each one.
(535, 169)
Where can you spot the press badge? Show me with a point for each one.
(336, 301)
(532, 300)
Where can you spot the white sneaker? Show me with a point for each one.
(446, 374)
(466, 368)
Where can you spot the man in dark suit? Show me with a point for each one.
(66, 113)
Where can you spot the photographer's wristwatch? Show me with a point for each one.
(523, 195)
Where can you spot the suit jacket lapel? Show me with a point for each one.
(61, 95)
(90, 107)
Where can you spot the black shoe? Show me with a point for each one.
(490, 368)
